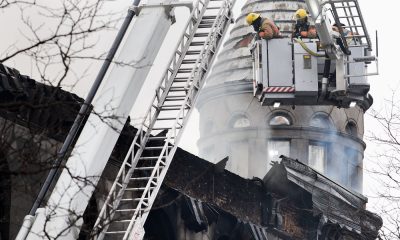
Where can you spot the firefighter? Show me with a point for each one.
(265, 27)
(303, 29)
(346, 32)
(348, 37)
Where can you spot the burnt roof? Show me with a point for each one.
(335, 203)
(40, 107)
(308, 201)
(292, 199)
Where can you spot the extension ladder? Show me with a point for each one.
(145, 166)
(349, 13)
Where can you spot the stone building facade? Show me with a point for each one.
(233, 123)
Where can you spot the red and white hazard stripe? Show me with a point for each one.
(279, 90)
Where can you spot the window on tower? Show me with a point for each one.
(240, 121)
(351, 128)
(280, 120)
(354, 169)
(277, 148)
(321, 121)
(317, 156)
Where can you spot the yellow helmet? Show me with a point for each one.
(301, 13)
(251, 17)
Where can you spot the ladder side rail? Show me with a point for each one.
(181, 111)
(182, 46)
(139, 134)
(210, 34)
(337, 21)
(114, 191)
(189, 36)
(150, 118)
(363, 25)
(122, 178)
(356, 30)
(358, 15)
(175, 134)
(351, 23)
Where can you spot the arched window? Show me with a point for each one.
(240, 121)
(280, 120)
(321, 121)
(351, 128)
(317, 154)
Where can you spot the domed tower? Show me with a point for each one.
(233, 123)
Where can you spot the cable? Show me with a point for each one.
(304, 46)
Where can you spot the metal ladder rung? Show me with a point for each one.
(151, 158)
(171, 109)
(180, 79)
(172, 106)
(168, 119)
(205, 25)
(355, 36)
(206, 21)
(185, 70)
(179, 90)
(209, 17)
(352, 26)
(189, 61)
(130, 200)
(164, 128)
(125, 210)
(352, 16)
(156, 148)
(116, 232)
(175, 99)
(200, 34)
(134, 189)
(122, 221)
(157, 138)
(142, 169)
(182, 95)
(342, 7)
(200, 43)
(193, 52)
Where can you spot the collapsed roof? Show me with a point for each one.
(36, 105)
(293, 201)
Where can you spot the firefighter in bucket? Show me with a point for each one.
(265, 27)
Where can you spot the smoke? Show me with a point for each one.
(233, 123)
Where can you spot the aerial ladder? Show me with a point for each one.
(146, 163)
(142, 172)
(329, 70)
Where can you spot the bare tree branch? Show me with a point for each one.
(388, 168)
